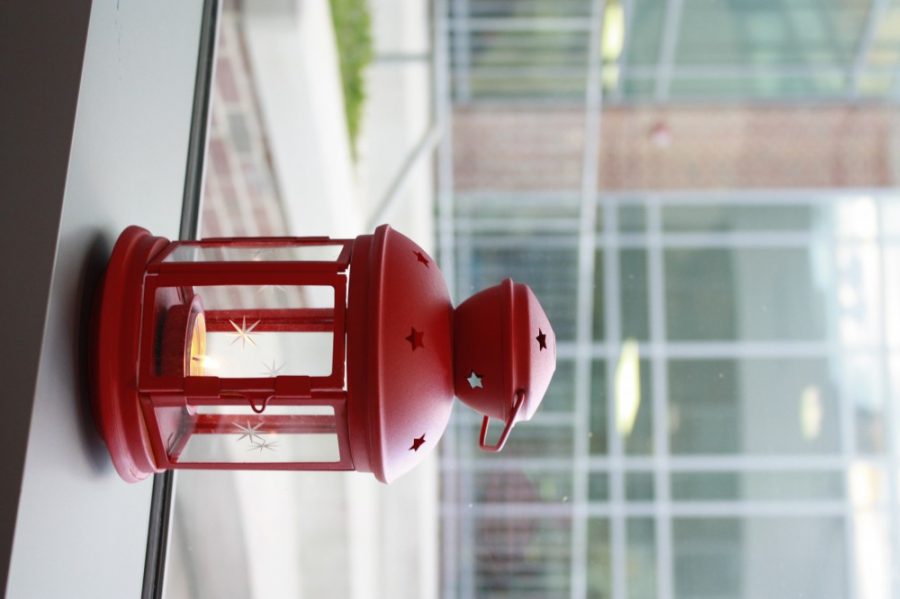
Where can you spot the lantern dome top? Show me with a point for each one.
(401, 367)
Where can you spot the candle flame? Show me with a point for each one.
(199, 363)
(205, 363)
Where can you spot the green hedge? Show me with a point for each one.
(353, 30)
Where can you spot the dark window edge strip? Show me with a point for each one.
(164, 484)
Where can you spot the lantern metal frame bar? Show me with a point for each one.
(160, 262)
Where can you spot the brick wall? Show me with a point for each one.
(676, 148)
(240, 197)
(517, 149)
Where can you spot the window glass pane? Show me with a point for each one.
(749, 294)
(708, 556)
(288, 447)
(532, 62)
(293, 434)
(598, 486)
(599, 315)
(647, 32)
(641, 567)
(599, 578)
(638, 88)
(759, 557)
(770, 31)
(639, 486)
(560, 394)
(269, 354)
(632, 218)
(599, 431)
(759, 406)
(635, 294)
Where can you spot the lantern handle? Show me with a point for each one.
(510, 422)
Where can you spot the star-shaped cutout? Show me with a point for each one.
(263, 444)
(542, 340)
(242, 333)
(421, 258)
(475, 381)
(249, 430)
(271, 370)
(417, 443)
(416, 339)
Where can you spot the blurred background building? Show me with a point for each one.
(710, 182)
(702, 193)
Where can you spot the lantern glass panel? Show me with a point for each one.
(246, 331)
(256, 252)
(236, 434)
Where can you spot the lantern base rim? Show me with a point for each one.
(114, 355)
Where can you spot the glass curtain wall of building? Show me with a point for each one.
(703, 196)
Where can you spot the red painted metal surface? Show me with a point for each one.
(115, 354)
(399, 354)
(504, 357)
(404, 389)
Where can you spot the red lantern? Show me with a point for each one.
(302, 354)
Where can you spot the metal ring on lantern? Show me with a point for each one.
(510, 422)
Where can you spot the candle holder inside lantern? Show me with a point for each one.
(302, 354)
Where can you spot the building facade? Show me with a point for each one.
(713, 184)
